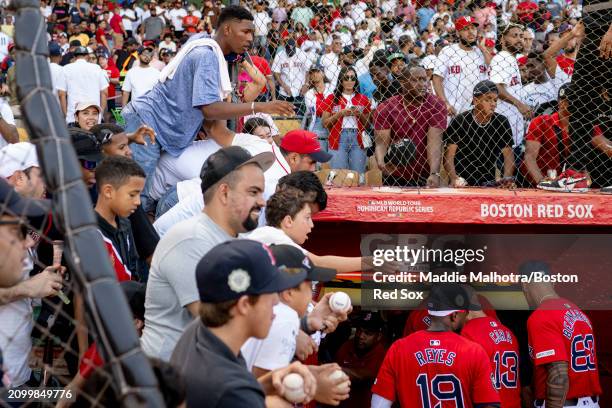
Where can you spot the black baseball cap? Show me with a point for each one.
(86, 145)
(370, 321)
(289, 257)
(241, 267)
(131, 41)
(13, 203)
(447, 298)
(224, 161)
(484, 87)
(80, 50)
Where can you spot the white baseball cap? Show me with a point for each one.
(17, 157)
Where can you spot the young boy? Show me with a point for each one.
(278, 348)
(119, 182)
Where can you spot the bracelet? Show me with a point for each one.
(252, 108)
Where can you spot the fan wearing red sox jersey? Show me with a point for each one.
(561, 346)
(502, 348)
(459, 67)
(506, 74)
(437, 367)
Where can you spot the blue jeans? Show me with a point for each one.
(322, 133)
(166, 202)
(146, 156)
(349, 154)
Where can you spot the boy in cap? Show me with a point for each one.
(238, 284)
(278, 348)
(476, 138)
(437, 364)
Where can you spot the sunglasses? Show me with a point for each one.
(349, 78)
(23, 228)
(107, 136)
(88, 164)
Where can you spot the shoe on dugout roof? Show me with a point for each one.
(569, 181)
(606, 190)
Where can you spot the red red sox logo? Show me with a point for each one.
(456, 69)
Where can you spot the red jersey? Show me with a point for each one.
(566, 64)
(419, 319)
(436, 369)
(559, 331)
(332, 106)
(502, 347)
(111, 73)
(347, 357)
(262, 65)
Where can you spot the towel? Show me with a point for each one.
(225, 83)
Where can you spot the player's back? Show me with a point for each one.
(502, 348)
(430, 368)
(559, 331)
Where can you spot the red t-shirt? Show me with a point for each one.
(262, 65)
(559, 331)
(411, 123)
(115, 23)
(332, 106)
(347, 357)
(419, 319)
(566, 64)
(190, 23)
(502, 347)
(438, 367)
(111, 72)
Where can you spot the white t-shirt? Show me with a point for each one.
(538, 94)
(505, 70)
(331, 68)
(278, 348)
(176, 17)
(349, 122)
(82, 82)
(169, 46)
(461, 70)
(140, 80)
(56, 75)
(128, 14)
(5, 40)
(7, 115)
(292, 70)
(272, 235)
(361, 37)
(191, 201)
(261, 21)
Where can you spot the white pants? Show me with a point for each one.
(584, 402)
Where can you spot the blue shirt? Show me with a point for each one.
(172, 108)
(366, 85)
(424, 14)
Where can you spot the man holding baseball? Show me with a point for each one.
(437, 365)
(561, 346)
(238, 283)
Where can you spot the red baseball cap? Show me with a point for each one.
(304, 142)
(464, 21)
(490, 43)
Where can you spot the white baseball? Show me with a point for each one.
(336, 375)
(339, 302)
(294, 388)
(460, 182)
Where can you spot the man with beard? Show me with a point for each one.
(459, 67)
(361, 357)
(232, 185)
(506, 74)
(437, 362)
(415, 116)
(289, 68)
(141, 79)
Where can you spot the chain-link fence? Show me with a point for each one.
(67, 335)
(390, 89)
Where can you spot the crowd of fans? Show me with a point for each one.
(171, 110)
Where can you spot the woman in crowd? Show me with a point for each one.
(313, 99)
(346, 113)
(258, 127)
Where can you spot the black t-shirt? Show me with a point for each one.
(478, 147)
(61, 11)
(381, 94)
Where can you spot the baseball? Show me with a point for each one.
(339, 302)
(337, 375)
(460, 182)
(294, 388)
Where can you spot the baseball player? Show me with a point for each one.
(459, 67)
(437, 367)
(502, 348)
(561, 346)
(506, 74)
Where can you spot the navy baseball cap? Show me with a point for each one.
(86, 145)
(241, 267)
(484, 87)
(224, 161)
(447, 298)
(289, 258)
(54, 49)
(13, 203)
